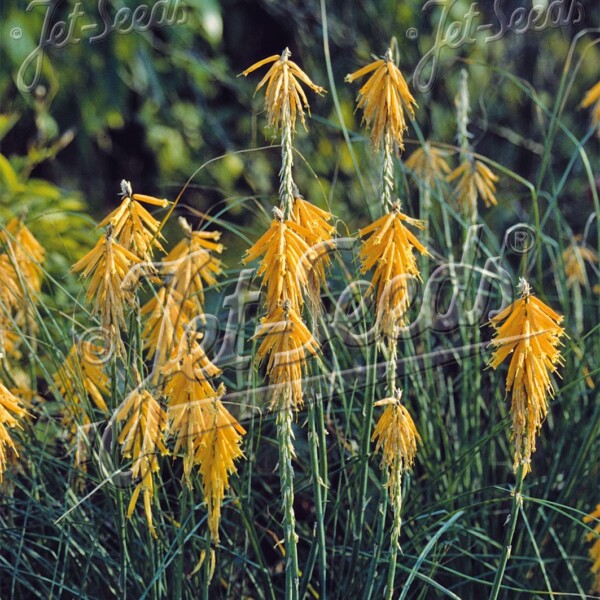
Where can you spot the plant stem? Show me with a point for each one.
(517, 501)
(121, 518)
(177, 582)
(387, 173)
(285, 437)
(395, 535)
(365, 444)
(286, 180)
(318, 485)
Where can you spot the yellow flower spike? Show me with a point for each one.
(284, 96)
(133, 226)
(475, 179)
(76, 368)
(287, 343)
(189, 392)
(141, 439)
(166, 315)
(594, 551)
(287, 258)
(383, 98)
(107, 265)
(11, 295)
(79, 370)
(389, 250)
(396, 436)
(192, 264)
(592, 97)
(216, 456)
(25, 252)
(530, 333)
(11, 410)
(575, 256)
(312, 225)
(206, 434)
(428, 163)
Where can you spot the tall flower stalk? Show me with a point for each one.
(529, 332)
(289, 268)
(387, 248)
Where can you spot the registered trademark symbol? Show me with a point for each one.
(16, 33)
(520, 239)
(412, 33)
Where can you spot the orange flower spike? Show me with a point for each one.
(285, 263)
(216, 456)
(428, 163)
(26, 254)
(383, 98)
(11, 411)
(575, 256)
(206, 433)
(396, 437)
(190, 394)
(142, 438)
(530, 331)
(107, 266)
(192, 263)
(284, 97)
(133, 226)
(389, 250)
(474, 179)
(287, 343)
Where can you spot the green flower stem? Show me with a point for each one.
(365, 446)
(178, 575)
(395, 536)
(285, 437)
(387, 173)
(286, 180)
(319, 485)
(517, 501)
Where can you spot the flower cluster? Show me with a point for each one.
(289, 267)
(187, 270)
(205, 433)
(396, 436)
(384, 98)
(529, 332)
(389, 250)
(294, 251)
(284, 97)
(21, 258)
